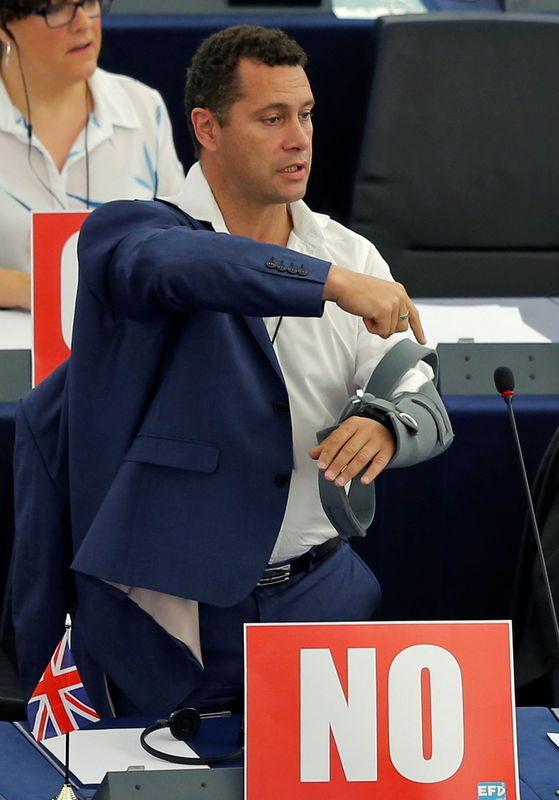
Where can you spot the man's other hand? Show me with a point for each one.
(358, 441)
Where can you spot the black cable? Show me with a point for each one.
(30, 125)
(30, 134)
(276, 330)
(86, 150)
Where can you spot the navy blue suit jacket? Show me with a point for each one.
(165, 450)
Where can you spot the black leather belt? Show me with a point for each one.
(283, 572)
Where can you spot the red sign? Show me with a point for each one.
(402, 711)
(55, 277)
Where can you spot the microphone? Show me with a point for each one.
(504, 383)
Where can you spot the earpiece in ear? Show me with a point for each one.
(8, 31)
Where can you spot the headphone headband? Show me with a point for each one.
(183, 724)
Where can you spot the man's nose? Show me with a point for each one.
(299, 136)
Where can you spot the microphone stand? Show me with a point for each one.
(507, 397)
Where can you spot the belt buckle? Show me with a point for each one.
(273, 575)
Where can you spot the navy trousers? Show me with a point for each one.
(340, 588)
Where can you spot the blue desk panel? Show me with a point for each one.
(447, 533)
(26, 775)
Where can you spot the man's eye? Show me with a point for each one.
(306, 116)
(272, 120)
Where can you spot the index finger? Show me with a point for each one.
(415, 324)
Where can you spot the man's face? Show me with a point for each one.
(264, 149)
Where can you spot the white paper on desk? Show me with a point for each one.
(554, 738)
(96, 751)
(371, 9)
(16, 332)
(483, 323)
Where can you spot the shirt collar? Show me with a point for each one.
(197, 200)
(112, 105)
(11, 118)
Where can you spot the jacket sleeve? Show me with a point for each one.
(146, 259)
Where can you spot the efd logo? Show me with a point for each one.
(495, 789)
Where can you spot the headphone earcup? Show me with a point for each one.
(184, 723)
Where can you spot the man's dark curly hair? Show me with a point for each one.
(212, 80)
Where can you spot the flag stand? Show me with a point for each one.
(66, 793)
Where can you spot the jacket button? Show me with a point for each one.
(271, 264)
(280, 407)
(281, 480)
(302, 271)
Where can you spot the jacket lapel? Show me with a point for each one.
(258, 328)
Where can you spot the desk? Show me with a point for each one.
(25, 775)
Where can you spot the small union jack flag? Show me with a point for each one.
(60, 703)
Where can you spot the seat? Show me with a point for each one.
(536, 643)
(457, 181)
(12, 705)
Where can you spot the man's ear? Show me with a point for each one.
(205, 126)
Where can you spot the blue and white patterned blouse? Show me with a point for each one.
(131, 155)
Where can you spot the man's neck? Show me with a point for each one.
(271, 224)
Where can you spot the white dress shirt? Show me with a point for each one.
(130, 153)
(323, 360)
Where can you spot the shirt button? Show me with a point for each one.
(281, 480)
(280, 407)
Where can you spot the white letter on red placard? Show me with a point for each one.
(407, 715)
(352, 720)
(68, 286)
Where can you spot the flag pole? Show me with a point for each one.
(67, 760)
(67, 792)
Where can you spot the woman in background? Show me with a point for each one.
(72, 136)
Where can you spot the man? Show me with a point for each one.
(205, 358)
